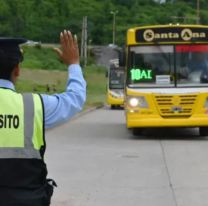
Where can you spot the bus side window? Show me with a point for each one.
(122, 58)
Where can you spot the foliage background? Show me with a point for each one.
(42, 20)
(43, 72)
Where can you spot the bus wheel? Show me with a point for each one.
(113, 106)
(203, 131)
(137, 131)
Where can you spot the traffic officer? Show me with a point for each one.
(23, 118)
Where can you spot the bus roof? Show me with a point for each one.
(167, 34)
(114, 63)
(169, 25)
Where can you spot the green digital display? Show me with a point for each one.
(140, 74)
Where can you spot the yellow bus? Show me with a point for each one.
(166, 81)
(115, 84)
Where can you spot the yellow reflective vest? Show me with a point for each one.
(22, 146)
(21, 122)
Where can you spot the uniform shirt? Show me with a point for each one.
(59, 108)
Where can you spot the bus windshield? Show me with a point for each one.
(116, 78)
(168, 66)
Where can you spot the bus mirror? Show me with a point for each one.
(106, 74)
(122, 58)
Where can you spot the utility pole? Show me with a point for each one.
(114, 25)
(197, 12)
(84, 41)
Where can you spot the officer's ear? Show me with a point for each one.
(16, 72)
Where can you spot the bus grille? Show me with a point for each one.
(175, 106)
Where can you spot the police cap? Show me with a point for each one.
(10, 50)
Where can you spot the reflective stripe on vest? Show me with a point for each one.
(25, 140)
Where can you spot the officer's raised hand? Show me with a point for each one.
(69, 52)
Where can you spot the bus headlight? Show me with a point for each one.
(116, 94)
(139, 101)
(133, 102)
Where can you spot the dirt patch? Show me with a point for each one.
(44, 76)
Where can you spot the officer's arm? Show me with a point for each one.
(61, 107)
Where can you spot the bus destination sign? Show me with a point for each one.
(172, 34)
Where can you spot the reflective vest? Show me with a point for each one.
(22, 146)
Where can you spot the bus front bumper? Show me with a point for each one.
(115, 101)
(134, 121)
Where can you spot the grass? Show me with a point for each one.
(43, 73)
(41, 81)
(40, 57)
(96, 85)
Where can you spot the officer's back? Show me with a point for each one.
(23, 119)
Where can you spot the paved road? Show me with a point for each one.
(103, 55)
(97, 162)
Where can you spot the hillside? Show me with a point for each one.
(42, 20)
